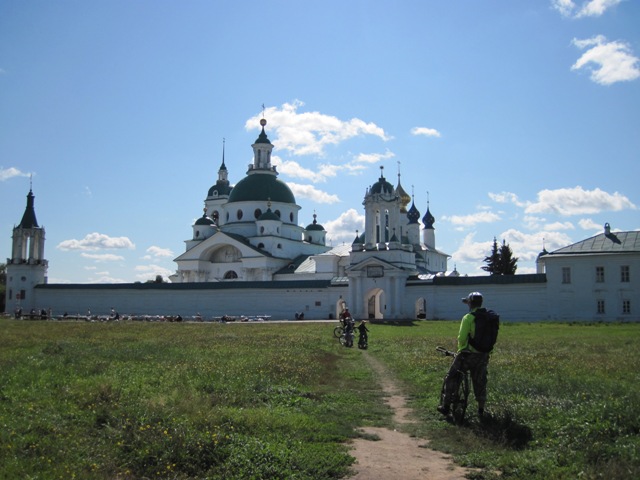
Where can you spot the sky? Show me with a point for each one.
(515, 119)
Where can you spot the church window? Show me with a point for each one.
(257, 213)
(279, 245)
(227, 216)
(239, 214)
(261, 230)
(600, 306)
(197, 234)
(291, 216)
(277, 212)
(230, 275)
(261, 245)
(215, 216)
(599, 274)
(566, 274)
(626, 306)
(278, 230)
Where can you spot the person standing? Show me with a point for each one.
(469, 358)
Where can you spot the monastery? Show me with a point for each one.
(248, 255)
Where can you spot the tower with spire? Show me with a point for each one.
(27, 266)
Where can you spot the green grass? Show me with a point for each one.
(564, 399)
(166, 400)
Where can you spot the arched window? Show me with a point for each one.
(261, 230)
(291, 217)
(261, 245)
(257, 213)
(277, 212)
(230, 275)
(239, 214)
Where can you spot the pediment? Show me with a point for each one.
(373, 262)
(221, 240)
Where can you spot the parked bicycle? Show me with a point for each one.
(460, 397)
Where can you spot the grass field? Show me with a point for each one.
(168, 400)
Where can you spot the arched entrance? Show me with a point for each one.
(341, 304)
(376, 306)
(420, 308)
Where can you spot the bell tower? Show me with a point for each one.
(27, 267)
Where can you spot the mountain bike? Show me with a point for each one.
(460, 397)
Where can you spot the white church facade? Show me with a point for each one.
(249, 255)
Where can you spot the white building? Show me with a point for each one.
(248, 255)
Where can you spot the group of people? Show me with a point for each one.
(470, 356)
(348, 324)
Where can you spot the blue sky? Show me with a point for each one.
(515, 119)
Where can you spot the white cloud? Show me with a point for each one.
(96, 241)
(507, 197)
(588, 224)
(106, 278)
(591, 8)
(311, 132)
(159, 252)
(374, 157)
(150, 272)
(102, 257)
(312, 193)
(11, 172)
(525, 246)
(595, 8)
(293, 169)
(472, 219)
(343, 229)
(614, 61)
(424, 131)
(565, 7)
(578, 201)
(559, 226)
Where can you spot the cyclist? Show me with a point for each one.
(467, 359)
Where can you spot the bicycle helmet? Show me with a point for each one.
(473, 297)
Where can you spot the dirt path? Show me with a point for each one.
(396, 455)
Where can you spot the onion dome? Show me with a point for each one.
(261, 188)
(428, 219)
(404, 197)
(315, 225)
(413, 214)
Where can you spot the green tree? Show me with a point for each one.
(493, 260)
(501, 260)
(508, 263)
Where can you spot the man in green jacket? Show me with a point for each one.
(467, 359)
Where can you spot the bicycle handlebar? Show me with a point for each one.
(446, 352)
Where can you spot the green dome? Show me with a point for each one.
(269, 215)
(204, 220)
(315, 225)
(261, 187)
(382, 186)
(219, 189)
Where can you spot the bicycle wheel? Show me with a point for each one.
(459, 399)
(343, 340)
(337, 332)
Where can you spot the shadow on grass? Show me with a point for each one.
(503, 429)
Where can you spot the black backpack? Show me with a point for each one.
(487, 325)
